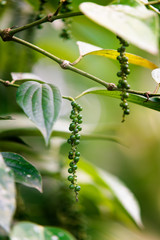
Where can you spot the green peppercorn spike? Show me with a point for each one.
(124, 72)
(74, 140)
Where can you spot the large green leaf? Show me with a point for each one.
(137, 25)
(153, 103)
(41, 103)
(31, 231)
(89, 49)
(113, 190)
(7, 195)
(24, 172)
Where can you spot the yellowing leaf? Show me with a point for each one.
(137, 25)
(133, 59)
(89, 49)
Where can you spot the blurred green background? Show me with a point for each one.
(137, 165)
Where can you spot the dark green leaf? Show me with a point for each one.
(24, 172)
(7, 195)
(153, 103)
(41, 103)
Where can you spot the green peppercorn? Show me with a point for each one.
(69, 141)
(119, 85)
(125, 95)
(77, 154)
(76, 159)
(127, 71)
(124, 83)
(71, 164)
(125, 59)
(75, 120)
(72, 137)
(79, 108)
(71, 186)
(73, 112)
(76, 142)
(125, 105)
(80, 121)
(74, 104)
(77, 188)
(124, 66)
(79, 128)
(119, 74)
(74, 167)
(70, 170)
(76, 130)
(77, 136)
(70, 156)
(79, 116)
(126, 111)
(71, 153)
(126, 44)
(72, 126)
(72, 116)
(70, 178)
(119, 58)
(127, 86)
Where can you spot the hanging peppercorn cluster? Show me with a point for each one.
(123, 74)
(74, 140)
(66, 8)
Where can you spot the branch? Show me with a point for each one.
(8, 83)
(63, 63)
(49, 18)
(145, 94)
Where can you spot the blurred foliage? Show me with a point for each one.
(138, 166)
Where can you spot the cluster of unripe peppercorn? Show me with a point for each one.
(74, 140)
(123, 74)
(66, 8)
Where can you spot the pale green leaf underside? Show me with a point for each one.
(41, 103)
(24, 172)
(7, 195)
(31, 231)
(128, 205)
(153, 103)
(137, 25)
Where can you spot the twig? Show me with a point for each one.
(48, 18)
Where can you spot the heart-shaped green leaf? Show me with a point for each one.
(24, 172)
(31, 231)
(7, 195)
(153, 103)
(137, 25)
(89, 49)
(41, 103)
